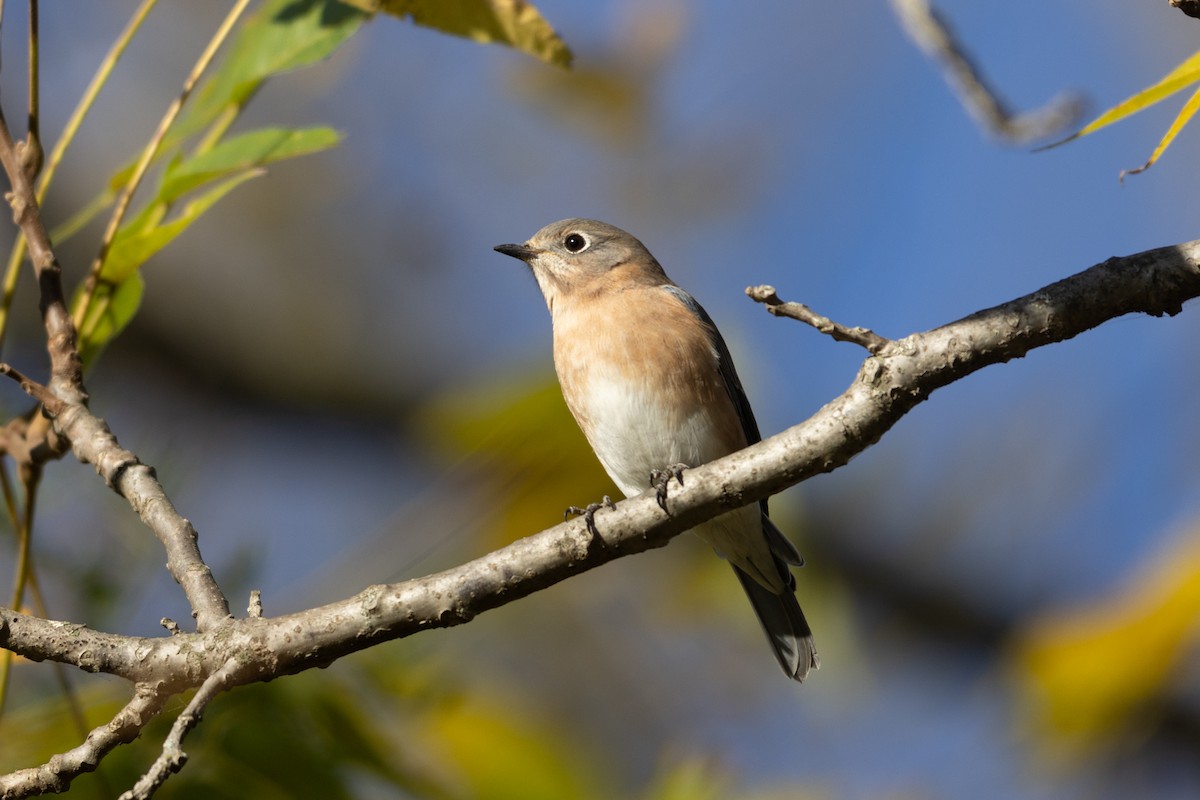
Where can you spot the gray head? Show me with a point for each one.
(585, 256)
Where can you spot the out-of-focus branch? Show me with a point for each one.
(930, 32)
(1189, 7)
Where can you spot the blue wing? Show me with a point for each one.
(724, 363)
(780, 545)
(780, 614)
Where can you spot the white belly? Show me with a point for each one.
(633, 433)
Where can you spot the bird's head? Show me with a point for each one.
(584, 256)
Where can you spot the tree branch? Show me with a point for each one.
(864, 337)
(90, 438)
(932, 35)
(57, 773)
(888, 385)
(173, 758)
(891, 382)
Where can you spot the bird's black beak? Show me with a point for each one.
(519, 251)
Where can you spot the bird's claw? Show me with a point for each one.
(659, 479)
(589, 513)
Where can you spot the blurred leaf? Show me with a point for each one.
(119, 292)
(35, 729)
(234, 160)
(514, 23)
(283, 35)
(1091, 672)
(1176, 80)
(142, 237)
(611, 100)
(254, 149)
(498, 753)
(689, 779)
(521, 439)
(113, 307)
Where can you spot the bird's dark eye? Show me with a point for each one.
(575, 242)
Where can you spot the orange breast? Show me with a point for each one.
(639, 372)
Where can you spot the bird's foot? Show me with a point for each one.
(589, 513)
(659, 479)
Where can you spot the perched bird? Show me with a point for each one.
(651, 383)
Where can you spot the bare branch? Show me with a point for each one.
(66, 370)
(31, 149)
(931, 33)
(37, 391)
(93, 443)
(90, 438)
(172, 758)
(889, 384)
(57, 773)
(864, 337)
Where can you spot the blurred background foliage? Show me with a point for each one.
(340, 384)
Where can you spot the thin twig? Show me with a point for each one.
(37, 391)
(90, 438)
(66, 370)
(143, 164)
(931, 34)
(13, 270)
(864, 337)
(172, 758)
(10, 503)
(57, 773)
(30, 478)
(32, 146)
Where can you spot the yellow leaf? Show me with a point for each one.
(501, 752)
(1185, 114)
(1091, 672)
(1177, 79)
(515, 23)
(518, 437)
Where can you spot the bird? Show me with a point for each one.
(651, 383)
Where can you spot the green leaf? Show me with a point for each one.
(112, 309)
(137, 241)
(515, 23)
(254, 149)
(79, 220)
(283, 35)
